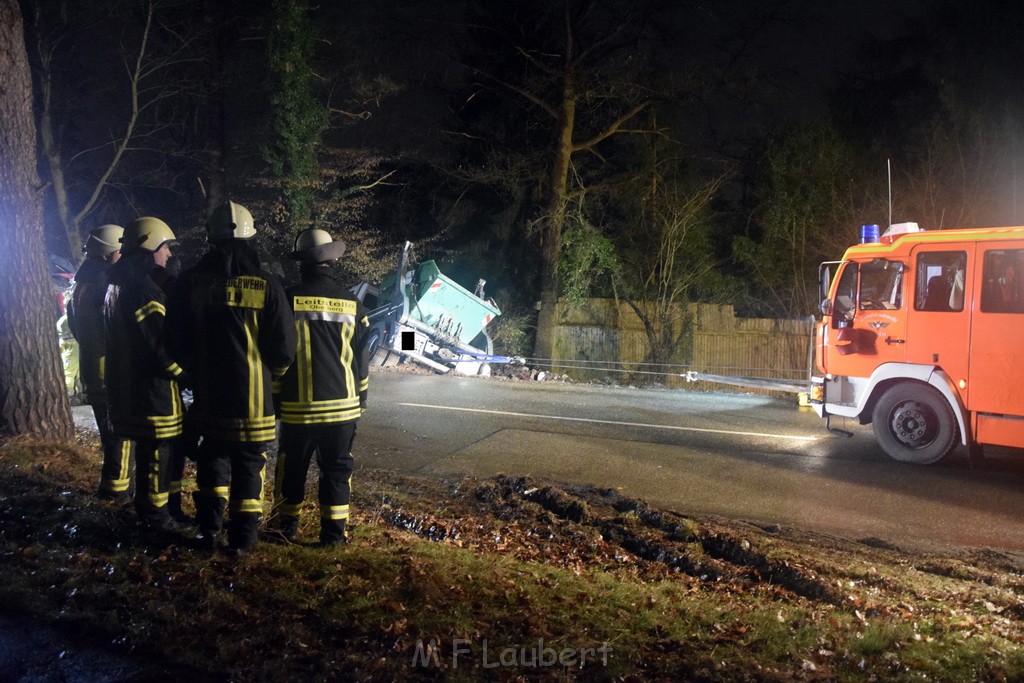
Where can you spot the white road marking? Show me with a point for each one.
(614, 422)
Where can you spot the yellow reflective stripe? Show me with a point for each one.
(174, 369)
(347, 332)
(364, 384)
(334, 404)
(320, 418)
(255, 367)
(115, 485)
(334, 511)
(164, 420)
(291, 509)
(246, 505)
(124, 473)
(175, 487)
(249, 435)
(158, 499)
(214, 491)
(304, 361)
(151, 307)
(365, 321)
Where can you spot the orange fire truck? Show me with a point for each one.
(922, 336)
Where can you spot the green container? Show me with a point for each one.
(448, 306)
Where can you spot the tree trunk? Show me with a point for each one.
(216, 126)
(51, 151)
(33, 398)
(554, 222)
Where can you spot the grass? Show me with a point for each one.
(523, 579)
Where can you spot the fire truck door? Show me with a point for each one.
(939, 315)
(867, 323)
(997, 334)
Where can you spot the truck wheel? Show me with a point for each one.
(379, 354)
(913, 423)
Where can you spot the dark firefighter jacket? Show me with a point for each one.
(229, 326)
(328, 380)
(141, 379)
(85, 318)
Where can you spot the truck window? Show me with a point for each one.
(881, 285)
(846, 296)
(1001, 291)
(939, 282)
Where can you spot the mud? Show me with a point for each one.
(568, 523)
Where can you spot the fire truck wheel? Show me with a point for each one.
(914, 424)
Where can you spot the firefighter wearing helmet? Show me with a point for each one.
(85, 319)
(323, 393)
(230, 327)
(142, 379)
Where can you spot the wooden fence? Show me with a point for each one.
(604, 340)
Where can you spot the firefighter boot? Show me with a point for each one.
(333, 535)
(243, 528)
(284, 529)
(209, 517)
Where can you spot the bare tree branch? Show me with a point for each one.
(612, 128)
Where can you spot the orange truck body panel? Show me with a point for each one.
(949, 299)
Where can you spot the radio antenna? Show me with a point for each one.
(888, 167)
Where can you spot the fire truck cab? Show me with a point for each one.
(922, 336)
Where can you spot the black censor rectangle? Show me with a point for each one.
(408, 340)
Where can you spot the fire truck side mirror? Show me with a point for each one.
(826, 306)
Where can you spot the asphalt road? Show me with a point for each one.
(741, 456)
(745, 457)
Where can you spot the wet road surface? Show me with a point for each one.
(742, 456)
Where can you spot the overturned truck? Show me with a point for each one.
(417, 314)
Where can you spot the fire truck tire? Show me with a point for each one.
(913, 423)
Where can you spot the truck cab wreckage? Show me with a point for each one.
(420, 315)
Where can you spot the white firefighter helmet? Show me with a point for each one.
(230, 221)
(148, 234)
(316, 246)
(103, 241)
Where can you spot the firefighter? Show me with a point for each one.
(230, 327)
(323, 393)
(142, 385)
(85, 319)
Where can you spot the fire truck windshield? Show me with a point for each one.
(881, 285)
(867, 286)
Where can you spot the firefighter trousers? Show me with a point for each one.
(186, 448)
(152, 479)
(230, 474)
(332, 444)
(116, 472)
